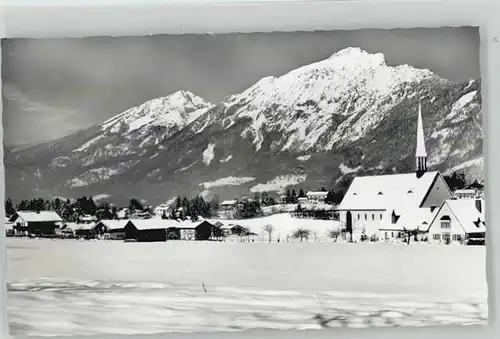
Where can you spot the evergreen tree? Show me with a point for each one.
(301, 193)
(135, 205)
(294, 198)
(9, 207)
(24, 205)
(330, 197)
(288, 198)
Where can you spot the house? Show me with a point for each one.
(43, 223)
(303, 200)
(111, 229)
(149, 230)
(161, 210)
(197, 230)
(87, 219)
(122, 214)
(66, 229)
(85, 231)
(228, 208)
(9, 228)
(466, 193)
(316, 197)
(459, 221)
(386, 205)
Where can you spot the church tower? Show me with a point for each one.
(421, 153)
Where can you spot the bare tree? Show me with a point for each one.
(301, 233)
(269, 230)
(334, 234)
(409, 233)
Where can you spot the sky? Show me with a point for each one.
(55, 87)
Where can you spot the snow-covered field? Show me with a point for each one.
(70, 287)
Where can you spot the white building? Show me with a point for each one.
(466, 193)
(162, 209)
(459, 221)
(316, 196)
(386, 205)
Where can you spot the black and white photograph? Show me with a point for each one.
(244, 181)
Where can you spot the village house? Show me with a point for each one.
(110, 229)
(228, 208)
(43, 223)
(303, 200)
(66, 229)
(459, 221)
(162, 209)
(315, 197)
(197, 230)
(385, 206)
(85, 231)
(87, 219)
(470, 193)
(9, 228)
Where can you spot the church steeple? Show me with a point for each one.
(421, 153)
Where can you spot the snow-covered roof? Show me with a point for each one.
(318, 193)
(87, 218)
(411, 218)
(83, 227)
(467, 214)
(466, 191)
(42, 216)
(384, 192)
(154, 223)
(113, 224)
(191, 224)
(229, 202)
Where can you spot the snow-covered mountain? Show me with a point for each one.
(312, 127)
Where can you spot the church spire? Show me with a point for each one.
(421, 153)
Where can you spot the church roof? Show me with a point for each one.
(384, 192)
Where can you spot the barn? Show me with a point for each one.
(148, 230)
(43, 223)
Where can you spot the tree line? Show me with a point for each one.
(458, 181)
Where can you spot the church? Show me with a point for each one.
(385, 205)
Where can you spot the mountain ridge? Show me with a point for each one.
(314, 126)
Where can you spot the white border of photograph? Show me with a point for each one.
(76, 18)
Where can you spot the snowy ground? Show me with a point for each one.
(70, 287)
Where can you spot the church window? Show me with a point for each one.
(366, 217)
(380, 193)
(358, 216)
(437, 237)
(392, 234)
(373, 216)
(381, 217)
(456, 237)
(386, 235)
(410, 191)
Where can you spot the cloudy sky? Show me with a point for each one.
(53, 87)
